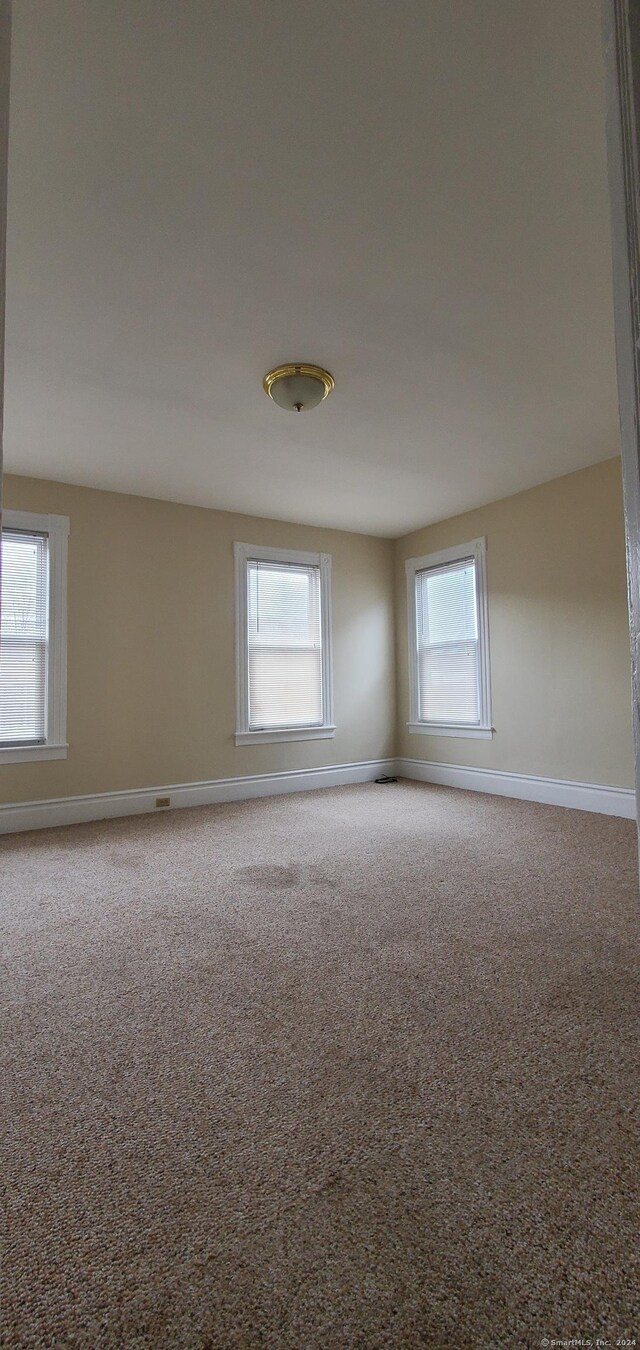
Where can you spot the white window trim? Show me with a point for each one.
(57, 529)
(244, 553)
(483, 730)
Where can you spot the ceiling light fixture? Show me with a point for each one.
(298, 387)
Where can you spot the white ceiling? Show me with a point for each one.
(411, 193)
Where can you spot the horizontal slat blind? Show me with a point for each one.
(284, 645)
(447, 631)
(23, 638)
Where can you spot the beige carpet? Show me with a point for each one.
(355, 1068)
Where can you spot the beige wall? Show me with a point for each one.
(151, 640)
(560, 665)
(151, 687)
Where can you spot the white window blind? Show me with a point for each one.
(23, 638)
(284, 645)
(447, 642)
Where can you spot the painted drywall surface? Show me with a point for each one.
(560, 664)
(151, 640)
(151, 682)
(162, 246)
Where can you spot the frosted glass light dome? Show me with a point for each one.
(298, 387)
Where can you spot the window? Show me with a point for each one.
(283, 611)
(33, 622)
(449, 675)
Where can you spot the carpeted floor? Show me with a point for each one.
(354, 1068)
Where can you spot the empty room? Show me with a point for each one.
(318, 855)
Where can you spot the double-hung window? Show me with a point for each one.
(449, 673)
(33, 637)
(283, 617)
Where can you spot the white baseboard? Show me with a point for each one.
(608, 801)
(107, 805)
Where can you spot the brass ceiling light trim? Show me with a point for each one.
(298, 386)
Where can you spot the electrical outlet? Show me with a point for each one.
(163, 801)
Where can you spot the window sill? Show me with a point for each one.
(285, 734)
(22, 754)
(445, 729)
